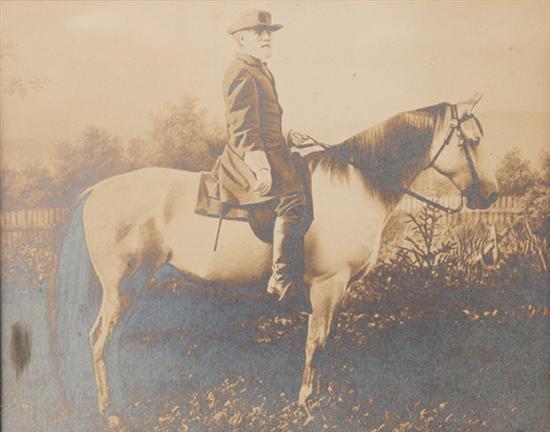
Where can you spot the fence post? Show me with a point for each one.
(493, 232)
(30, 224)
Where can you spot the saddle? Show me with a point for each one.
(260, 217)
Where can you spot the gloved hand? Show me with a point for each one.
(263, 182)
(258, 163)
(298, 139)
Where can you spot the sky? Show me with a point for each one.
(339, 66)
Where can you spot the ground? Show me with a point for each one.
(402, 358)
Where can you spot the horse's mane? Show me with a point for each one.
(389, 154)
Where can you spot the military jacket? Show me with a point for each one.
(254, 122)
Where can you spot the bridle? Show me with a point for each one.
(455, 126)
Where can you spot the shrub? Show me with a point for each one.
(426, 253)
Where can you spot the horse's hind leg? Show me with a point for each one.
(122, 288)
(108, 317)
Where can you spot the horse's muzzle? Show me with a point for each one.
(478, 201)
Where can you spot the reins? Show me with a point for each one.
(455, 126)
(433, 203)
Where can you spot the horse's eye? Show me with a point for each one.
(476, 141)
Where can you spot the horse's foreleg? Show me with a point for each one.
(313, 344)
(325, 298)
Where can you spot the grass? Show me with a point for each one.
(415, 348)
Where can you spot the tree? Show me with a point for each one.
(139, 153)
(30, 187)
(536, 201)
(183, 137)
(9, 179)
(97, 155)
(14, 84)
(515, 175)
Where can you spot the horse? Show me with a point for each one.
(136, 222)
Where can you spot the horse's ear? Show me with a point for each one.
(473, 102)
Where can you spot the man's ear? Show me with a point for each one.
(239, 38)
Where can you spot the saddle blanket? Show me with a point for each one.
(261, 217)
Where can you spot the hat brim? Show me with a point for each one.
(273, 27)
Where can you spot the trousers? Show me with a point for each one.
(288, 245)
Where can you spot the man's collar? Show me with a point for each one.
(249, 59)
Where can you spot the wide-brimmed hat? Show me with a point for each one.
(253, 18)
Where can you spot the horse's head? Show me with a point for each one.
(459, 154)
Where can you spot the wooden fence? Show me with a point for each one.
(39, 224)
(505, 210)
(31, 224)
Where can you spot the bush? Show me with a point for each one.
(32, 259)
(427, 254)
(515, 176)
(182, 137)
(536, 201)
(424, 254)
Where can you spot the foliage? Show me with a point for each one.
(428, 254)
(515, 175)
(31, 186)
(459, 255)
(379, 313)
(95, 156)
(536, 201)
(33, 259)
(139, 153)
(470, 240)
(425, 251)
(184, 138)
(16, 85)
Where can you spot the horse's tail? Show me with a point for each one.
(90, 189)
(85, 193)
(75, 303)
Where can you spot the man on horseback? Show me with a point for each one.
(256, 165)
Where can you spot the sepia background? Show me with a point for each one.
(340, 66)
(93, 89)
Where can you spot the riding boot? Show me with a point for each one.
(287, 268)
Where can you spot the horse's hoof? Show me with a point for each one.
(309, 418)
(304, 406)
(113, 420)
(296, 304)
(305, 393)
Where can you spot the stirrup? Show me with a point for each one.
(298, 302)
(286, 291)
(280, 295)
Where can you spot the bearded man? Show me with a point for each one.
(256, 165)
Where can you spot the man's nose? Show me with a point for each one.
(265, 36)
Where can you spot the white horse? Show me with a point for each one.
(143, 219)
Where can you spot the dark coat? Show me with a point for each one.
(253, 116)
